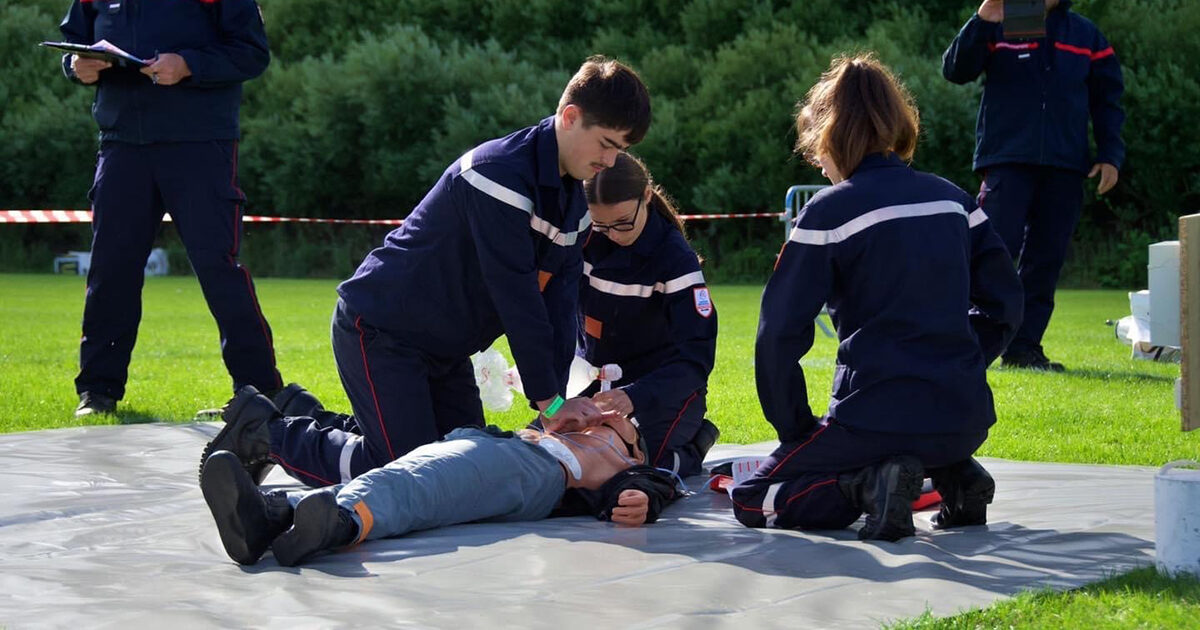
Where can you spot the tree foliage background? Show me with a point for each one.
(366, 102)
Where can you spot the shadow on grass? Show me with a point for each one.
(1107, 375)
(133, 416)
(1150, 581)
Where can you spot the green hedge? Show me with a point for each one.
(366, 102)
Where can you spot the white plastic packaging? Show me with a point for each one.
(491, 376)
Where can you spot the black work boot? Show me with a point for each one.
(247, 518)
(1031, 359)
(319, 524)
(246, 433)
(706, 436)
(91, 403)
(295, 401)
(885, 492)
(966, 489)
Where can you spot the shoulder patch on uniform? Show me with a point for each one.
(703, 303)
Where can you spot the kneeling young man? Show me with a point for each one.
(473, 474)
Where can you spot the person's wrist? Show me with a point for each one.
(556, 403)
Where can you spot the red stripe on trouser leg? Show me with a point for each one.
(797, 450)
(674, 423)
(299, 471)
(371, 384)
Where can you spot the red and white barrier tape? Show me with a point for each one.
(85, 216)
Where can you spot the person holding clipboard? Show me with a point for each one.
(168, 118)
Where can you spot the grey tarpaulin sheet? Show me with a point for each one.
(105, 527)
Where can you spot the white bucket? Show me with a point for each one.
(1177, 517)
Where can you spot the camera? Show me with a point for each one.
(1024, 19)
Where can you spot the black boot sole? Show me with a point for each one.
(237, 508)
(314, 529)
(901, 481)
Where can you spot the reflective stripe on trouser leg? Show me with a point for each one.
(768, 504)
(347, 454)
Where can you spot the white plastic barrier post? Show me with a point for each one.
(1177, 518)
(1163, 272)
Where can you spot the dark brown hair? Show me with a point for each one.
(611, 95)
(628, 178)
(857, 108)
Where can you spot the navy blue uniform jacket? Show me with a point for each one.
(493, 248)
(646, 308)
(1038, 93)
(901, 258)
(223, 42)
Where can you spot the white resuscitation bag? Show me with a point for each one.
(497, 381)
(582, 375)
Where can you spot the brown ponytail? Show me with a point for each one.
(628, 178)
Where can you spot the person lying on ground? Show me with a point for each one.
(473, 474)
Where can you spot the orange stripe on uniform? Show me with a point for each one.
(544, 279)
(592, 327)
(368, 521)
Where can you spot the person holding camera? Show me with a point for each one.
(1031, 147)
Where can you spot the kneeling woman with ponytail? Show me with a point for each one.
(924, 297)
(644, 305)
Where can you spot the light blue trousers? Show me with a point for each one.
(471, 475)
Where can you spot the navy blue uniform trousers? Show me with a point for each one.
(401, 398)
(1034, 209)
(797, 486)
(196, 182)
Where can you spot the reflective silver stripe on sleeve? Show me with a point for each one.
(768, 504)
(872, 218)
(491, 188)
(976, 217)
(521, 202)
(682, 282)
(642, 290)
(344, 458)
(556, 236)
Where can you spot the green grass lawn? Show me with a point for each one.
(1107, 409)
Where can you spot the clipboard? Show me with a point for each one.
(100, 50)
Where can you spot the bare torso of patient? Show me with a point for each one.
(602, 451)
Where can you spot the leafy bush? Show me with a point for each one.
(366, 103)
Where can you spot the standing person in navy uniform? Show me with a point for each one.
(168, 143)
(494, 248)
(924, 297)
(1031, 143)
(644, 305)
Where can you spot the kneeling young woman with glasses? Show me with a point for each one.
(644, 305)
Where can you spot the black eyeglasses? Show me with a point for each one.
(619, 226)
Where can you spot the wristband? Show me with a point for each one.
(553, 407)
